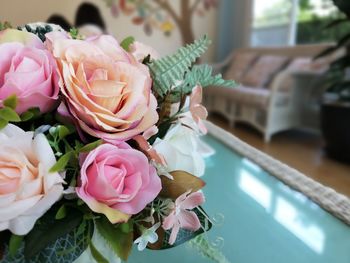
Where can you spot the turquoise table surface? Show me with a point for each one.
(264, 220)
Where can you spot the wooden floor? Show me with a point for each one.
(300, 150)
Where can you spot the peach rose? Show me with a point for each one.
(27, 70)
(106, 90)
(27, 188)
(117, 181)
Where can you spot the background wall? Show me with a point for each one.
(234, 26)
(19, 12)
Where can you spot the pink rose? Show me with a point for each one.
(106, 90)
(27, 70)
(27, 188)
(117, 181)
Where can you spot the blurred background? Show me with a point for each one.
(291, 59)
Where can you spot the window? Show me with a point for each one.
(289, 22)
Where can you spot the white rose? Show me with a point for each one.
(27, 188)
(180, 148)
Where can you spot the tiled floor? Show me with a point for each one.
(300, 150)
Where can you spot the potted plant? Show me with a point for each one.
(335, 110)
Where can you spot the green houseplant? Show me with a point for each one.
(335, 110)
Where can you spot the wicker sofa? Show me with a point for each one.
(266, 97)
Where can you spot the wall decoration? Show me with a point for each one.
(162, 15)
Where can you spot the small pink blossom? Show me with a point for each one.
(181, 216)
(149, 150)
(198, 111)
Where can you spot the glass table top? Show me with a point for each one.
(264, 220)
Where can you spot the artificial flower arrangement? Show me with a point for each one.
(98, 143)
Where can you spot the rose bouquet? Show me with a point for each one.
(99, 146)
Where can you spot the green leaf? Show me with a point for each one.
(119, 242)
(30, 114)
(96, 254)
(167, 71)
(126, 227)
(15, 243)
(26, 116)
(3, 123)
(9, 114)
(11, 102)
(125, 44)
(63, 131)
(89, 147)
(62, 162)
(74, 33)
(61, 213)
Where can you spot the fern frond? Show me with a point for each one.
(199, 75)
(202, 75)
(169, 70)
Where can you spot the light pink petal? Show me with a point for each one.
(169, 221)
(193, 200)
(202, 127)
(174, 233)
(189, 220)
(200, 112)
(196, 96)
(150, 132)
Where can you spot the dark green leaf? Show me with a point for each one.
(119, 242)
(125, 44)
(89, 147)
(61, 213)
(11, 102)
(326, 52)
(30, 114)
(25, 116)
(3, 123)
(15, 243)
(62, 162)
(96, 254)
(9, 114)
(63, 131)
(126, 227)
(343, 41)
(336, 22)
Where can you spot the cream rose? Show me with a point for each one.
(27, 188)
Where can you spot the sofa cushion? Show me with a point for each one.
(296, 65)
(262, 72)
(252, 96)
(240, 64)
